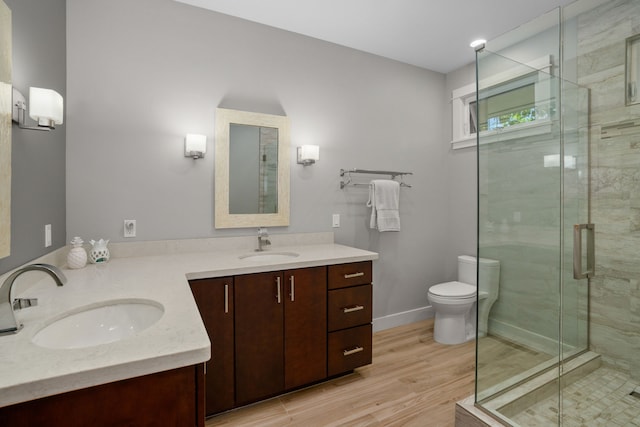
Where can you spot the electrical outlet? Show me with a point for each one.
(336, 220)
(129, 228)
(47, 235)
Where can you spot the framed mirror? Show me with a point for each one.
(5, 130)
(251, 169)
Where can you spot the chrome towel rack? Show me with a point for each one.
(393, 174)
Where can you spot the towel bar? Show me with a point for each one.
(392, 174)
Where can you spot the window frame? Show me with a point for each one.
(461, 99)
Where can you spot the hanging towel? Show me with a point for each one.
(384, 201)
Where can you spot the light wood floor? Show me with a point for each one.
(500, 360)
(413, 381)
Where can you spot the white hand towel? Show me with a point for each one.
(384, 201)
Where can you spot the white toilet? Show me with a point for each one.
(453, 301)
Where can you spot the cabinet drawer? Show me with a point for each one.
(345, 275)
(349, 307)
(349, 349)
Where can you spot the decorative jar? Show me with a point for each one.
(77, 256)
(99, 251)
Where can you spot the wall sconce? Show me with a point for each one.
(46, 108)
(195, 145)
(308, 154)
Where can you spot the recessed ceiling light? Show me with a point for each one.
(477, 43)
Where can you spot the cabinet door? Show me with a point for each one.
(167, 398)
(214, 298)
(259, 344)
(305, 326)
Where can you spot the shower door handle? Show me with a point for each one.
(578, 273)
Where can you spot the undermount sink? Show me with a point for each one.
(102, 324)
(268, 256)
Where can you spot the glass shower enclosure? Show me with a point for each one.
(533, 205)
(558, 117)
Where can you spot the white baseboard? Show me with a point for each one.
(402, 318)
(525, 337)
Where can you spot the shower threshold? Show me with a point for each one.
(512, 400)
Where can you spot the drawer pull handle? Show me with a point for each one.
(352, 351)
(351, 276)
(352, 308)
(278, 295)
(292, 294)
(226, 298)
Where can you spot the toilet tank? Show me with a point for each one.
(467, 269)
(489, 272)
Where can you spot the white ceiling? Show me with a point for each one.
(433, 34)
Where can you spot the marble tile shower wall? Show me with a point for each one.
(521, 209)
(615, 180)
(514, 184)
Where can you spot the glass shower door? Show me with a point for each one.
(532, 189)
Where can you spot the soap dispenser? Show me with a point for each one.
(77, 256)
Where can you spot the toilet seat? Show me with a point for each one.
(453, 290)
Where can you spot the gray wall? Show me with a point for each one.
(37, 158)
(462, 182)
(143, 74)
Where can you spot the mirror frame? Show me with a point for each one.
(5, 130)
(224, 219)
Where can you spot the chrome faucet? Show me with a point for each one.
(263, 239)
(8, 322)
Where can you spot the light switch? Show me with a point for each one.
(336, 220)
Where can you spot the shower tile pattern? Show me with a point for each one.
(598, 399)
(615, 183)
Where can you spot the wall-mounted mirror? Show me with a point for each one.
(252, 169)
(5, 130)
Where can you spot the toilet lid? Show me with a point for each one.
(453, 290)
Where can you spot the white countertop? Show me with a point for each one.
(178, 339)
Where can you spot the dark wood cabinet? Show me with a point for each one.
(216, 305)
(171, 398)
(350, 312)
(281, 324)
(305, 326)
(349, 307)
(352, 274)
(287, 330)
(259, 344)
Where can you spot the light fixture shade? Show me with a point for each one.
(195, 145)
(46, 106)
(308, 154)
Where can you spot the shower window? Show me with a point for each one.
(508, 108)
(515, 100)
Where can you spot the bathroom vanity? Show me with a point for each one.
(276, 331)
(159, 374)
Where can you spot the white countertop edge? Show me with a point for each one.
(63, 384)
(286, 265)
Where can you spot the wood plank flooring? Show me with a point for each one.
(500, 360)
(413, 381)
